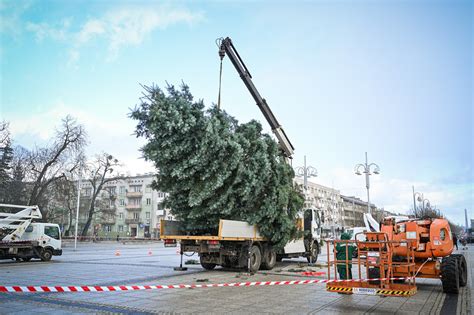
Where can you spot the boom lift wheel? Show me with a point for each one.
(450, 274)
(462, 266)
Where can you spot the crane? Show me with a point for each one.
(227, 47)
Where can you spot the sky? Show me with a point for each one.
(391, 78)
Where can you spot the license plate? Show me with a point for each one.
(365, 291)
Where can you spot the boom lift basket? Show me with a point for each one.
(374, 261)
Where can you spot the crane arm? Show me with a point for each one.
(226, 47)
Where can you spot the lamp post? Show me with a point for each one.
(77, 206)
(306, 172)
(367, 169)
(416, 196)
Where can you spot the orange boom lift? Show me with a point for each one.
(400, 252)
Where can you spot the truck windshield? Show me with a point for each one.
(52, 231)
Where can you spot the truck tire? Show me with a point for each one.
(269, 258)
(206, 265)
(255, 259)
(314, 253)
(462, 266)
(46, 254)
(450, 274)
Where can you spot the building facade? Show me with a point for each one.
(328, 203)
(126, 207)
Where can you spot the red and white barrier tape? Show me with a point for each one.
(173, 286)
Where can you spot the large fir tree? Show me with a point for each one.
(214, 168)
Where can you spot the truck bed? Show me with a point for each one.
(229, 230)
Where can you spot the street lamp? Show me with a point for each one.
(306, 172)
(416, 196)
(368, 169)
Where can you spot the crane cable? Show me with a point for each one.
(221, 55)
(220, 83)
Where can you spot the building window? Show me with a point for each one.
(136, 215)
(120, 228)
(148, 201)
(121, 215)
(147, 215)
(111, 190)
(135, 201)
(122, 202)
(122, 190)
(148, 189)
(159, 206)
(87, 192)
(107, 228)
(161, 194)
(136, 188)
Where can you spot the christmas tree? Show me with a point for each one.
(214, 168)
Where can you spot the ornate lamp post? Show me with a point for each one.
(367, 169)
(306, 172)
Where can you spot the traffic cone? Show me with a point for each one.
(117, 253)
(150, 252)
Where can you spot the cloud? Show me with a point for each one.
(10, 17)
(44, 30)
(129, 26)
(111, 134)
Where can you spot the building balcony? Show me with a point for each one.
(107, 221)
(133, 207)
(109, 210)
(132, 221)
(134, 194)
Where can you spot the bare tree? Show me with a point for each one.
(64, 193)
(100, 172)
(6, 157)
(47, 165)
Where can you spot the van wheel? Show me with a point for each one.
(255, 258)
(46, 255)
(269, 258)
(450, 274)
(462, 267)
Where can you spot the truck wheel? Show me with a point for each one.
(450, 274)
(314, 253)
(46, 255)
(462, 266)
(279, 258)
(255, 258)
(269, 258)
(207, 266)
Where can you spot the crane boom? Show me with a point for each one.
(226, 47)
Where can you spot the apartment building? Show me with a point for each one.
(328, 203)
(126, 207)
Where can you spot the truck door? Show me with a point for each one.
(53, 236)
